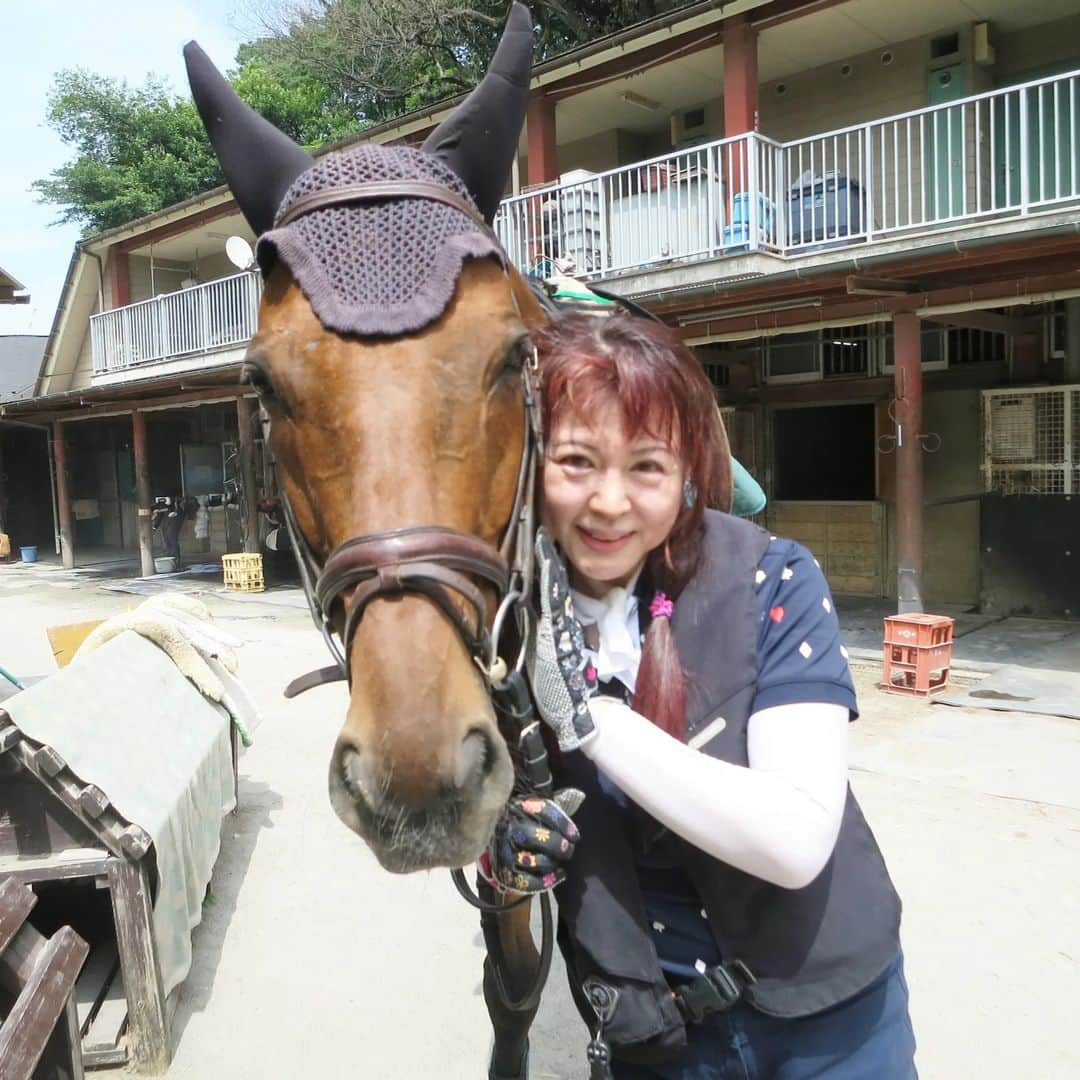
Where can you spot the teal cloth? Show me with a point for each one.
(747, 498)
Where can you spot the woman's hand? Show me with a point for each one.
(533, 840)
(559, 675)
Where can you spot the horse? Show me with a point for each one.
(404, 430)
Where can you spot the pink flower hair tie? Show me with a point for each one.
(662, 607)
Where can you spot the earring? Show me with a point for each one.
(689, 493)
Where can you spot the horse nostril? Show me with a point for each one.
(475, 760)
(355, 777)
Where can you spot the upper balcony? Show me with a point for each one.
(987, 162)
(195, 324)
(993, 157)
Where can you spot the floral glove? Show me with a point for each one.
(561, 680)
(532, 841)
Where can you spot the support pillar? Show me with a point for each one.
(247, 475)
(908, 380)
(740, 107)
(543, 164)
(63, 498)
(142, 494)
(120, 278)
(740, 76)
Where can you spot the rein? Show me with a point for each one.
(441, 564)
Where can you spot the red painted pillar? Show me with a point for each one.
(143, 510)
(740, 104)
(63, 498)
(543, 168)
(119, 271)
(541, 134)
(908, 409)
(740, 76)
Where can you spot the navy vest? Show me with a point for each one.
(809, 948)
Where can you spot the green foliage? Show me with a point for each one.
(382, 58)
(140, 149)
(322, 70)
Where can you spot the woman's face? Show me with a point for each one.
(608, 500)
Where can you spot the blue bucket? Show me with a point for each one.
(29, 554)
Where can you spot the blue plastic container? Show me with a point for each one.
(28, 554)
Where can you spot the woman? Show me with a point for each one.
(726, 912)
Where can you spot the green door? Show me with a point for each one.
(1052, 150)
(943, 137)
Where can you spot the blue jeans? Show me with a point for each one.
(867, 1037)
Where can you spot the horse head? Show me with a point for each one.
(388, 360)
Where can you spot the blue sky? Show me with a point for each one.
(126, 39)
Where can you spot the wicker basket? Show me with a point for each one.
(243, 572)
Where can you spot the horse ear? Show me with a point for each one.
(259, 162)
(480, 139)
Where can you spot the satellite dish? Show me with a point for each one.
(239, 252)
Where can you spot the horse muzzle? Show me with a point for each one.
(441, 815)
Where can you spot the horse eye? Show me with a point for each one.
(257, 377)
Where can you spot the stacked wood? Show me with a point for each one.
(39, 1033)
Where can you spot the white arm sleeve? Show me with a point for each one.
(777, 820)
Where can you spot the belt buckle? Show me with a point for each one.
(716, 990)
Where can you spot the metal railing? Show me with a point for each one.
(671, 207)
(1010, 152)
(218, 315)
(1007, 153)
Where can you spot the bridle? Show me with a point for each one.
(442, 564)
(438, 562)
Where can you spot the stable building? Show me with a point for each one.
(864, 217)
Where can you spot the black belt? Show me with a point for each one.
(716, 990)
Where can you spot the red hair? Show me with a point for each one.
(589, 362)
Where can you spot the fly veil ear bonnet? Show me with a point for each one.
(385, 266)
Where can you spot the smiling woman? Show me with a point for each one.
(725, 890)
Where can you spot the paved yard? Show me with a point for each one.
(311, 962)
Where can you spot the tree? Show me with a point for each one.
(380, 58)
(140, 149)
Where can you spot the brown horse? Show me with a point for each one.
(399, 447)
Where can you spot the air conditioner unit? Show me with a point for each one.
(1012, 429)
(689, 127)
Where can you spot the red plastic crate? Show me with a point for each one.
(917, 653)
(918, 629)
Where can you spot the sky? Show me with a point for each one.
(126, 39)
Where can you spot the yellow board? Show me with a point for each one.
(66, 639)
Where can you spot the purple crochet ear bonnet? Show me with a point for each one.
(387, 267)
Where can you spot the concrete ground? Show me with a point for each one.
(312, 962)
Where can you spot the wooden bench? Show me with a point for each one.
(39, 1033)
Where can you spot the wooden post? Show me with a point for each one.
(63, 499)
(908, 380)
(142, 494)
(543, 163)
(740, 99)
(139, 964)
(247, 475)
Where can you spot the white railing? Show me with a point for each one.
(218, 315)
(1007, 153)
(676, 206)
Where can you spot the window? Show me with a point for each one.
(846, 350)
(794, 357)
(949, 346)
(830, 353)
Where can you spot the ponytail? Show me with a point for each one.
(660, 694)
